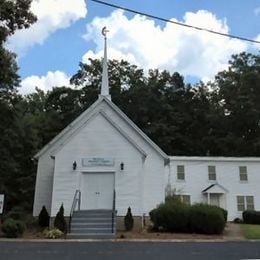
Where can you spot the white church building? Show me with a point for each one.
(102, 162)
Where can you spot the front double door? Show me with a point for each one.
(98, 190)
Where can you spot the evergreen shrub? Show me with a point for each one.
(175, 216)
(129, 220)
(59, 221)
(43, 218)
(223, 211)
(206, 219)
(13, 228)
(172, 216)
(251, 217)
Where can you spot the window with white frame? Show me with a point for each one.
(245, 203)
(180, 172)
(184, 198)
(243, 173)
(212, 173)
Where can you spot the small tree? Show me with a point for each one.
(59, 221)
(129, 221)
(43, 218)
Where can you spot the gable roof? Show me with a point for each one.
(77, 123)
(215, 188)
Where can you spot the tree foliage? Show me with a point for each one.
(221, 118)
(59, 221)
(14, 15)
(16, 142)
(43, 218)
(129, 220)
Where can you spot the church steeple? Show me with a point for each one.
(105, 84)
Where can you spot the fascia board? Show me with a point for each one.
(67, 130)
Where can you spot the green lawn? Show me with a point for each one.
(251, 231)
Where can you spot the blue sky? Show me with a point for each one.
(68, 32)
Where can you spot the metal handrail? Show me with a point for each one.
(76, 201)
(113, 210)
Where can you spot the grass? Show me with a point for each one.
(251, 231)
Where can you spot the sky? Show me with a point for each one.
(69, 32)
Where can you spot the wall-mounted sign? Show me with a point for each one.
(98, 161)
(2, 196)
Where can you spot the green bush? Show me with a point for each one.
(13, 228)
(43, 218)
(128, 220)
(251, 217)
(223, 211)
(175, 216)
(206, 219)
(172, 215)
(53, 233)
(59, 221)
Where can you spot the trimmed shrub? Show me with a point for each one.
(224, 212)
(53, 233)
(128, 220)
(43, 218)
(206, 219)
(175, 216)
(59, 221)
(251, 217)
(172, 215)
(13, 228)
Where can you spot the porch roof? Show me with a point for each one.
(215, 188)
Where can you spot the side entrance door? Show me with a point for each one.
(98, 190)
(214, 199)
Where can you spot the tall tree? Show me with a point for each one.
(220, 118)
(239, 95)
(14, 15)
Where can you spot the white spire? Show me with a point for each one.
(105, 85)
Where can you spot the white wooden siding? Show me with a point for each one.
(227, 171)
(100, 139)
(44, 184)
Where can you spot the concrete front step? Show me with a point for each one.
(91, 230)
(91, 236)
(91, 225)
(93, 212)
(100, 215)
(91, 220)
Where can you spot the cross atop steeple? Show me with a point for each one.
(105, 84)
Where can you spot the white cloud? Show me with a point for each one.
(52, 15)
(257, 11)
(45, 83)
(190, 52)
